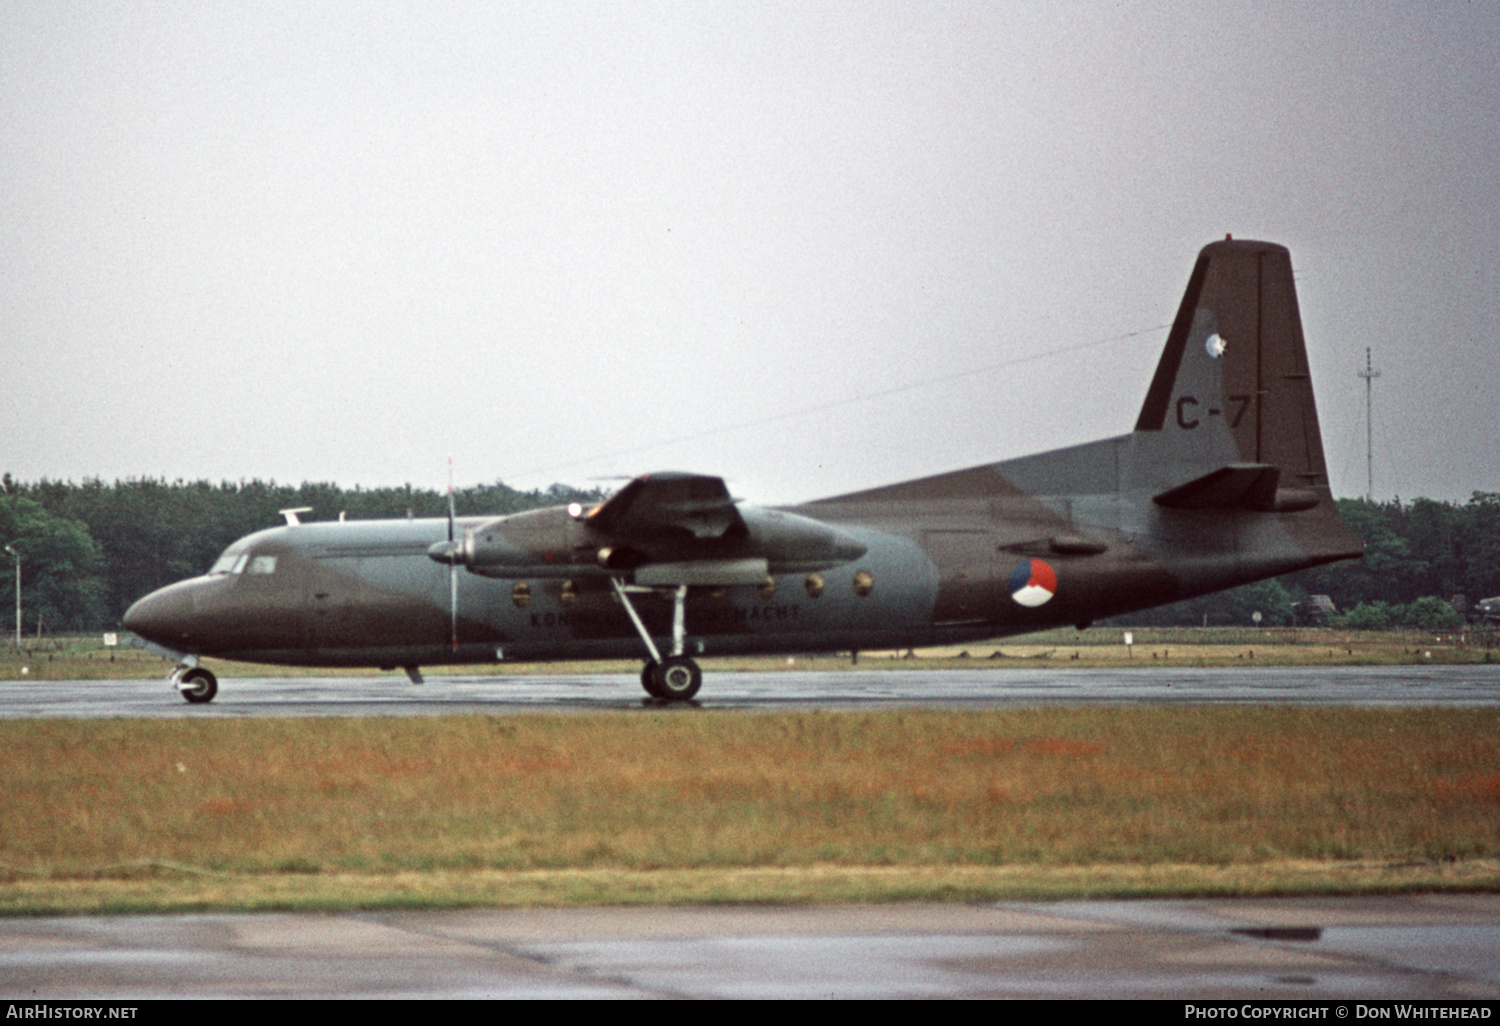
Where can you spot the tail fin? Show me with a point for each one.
(1233, 385)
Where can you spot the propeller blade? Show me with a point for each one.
(453, 600)
(450, 498)
(452, 566)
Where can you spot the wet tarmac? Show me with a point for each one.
(1436, 948)
(978, 688)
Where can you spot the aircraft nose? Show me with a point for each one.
(162, 616)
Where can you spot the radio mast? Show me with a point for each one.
(1369, 374)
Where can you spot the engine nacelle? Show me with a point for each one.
(559, 543)
(793, 544)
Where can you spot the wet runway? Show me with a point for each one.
(1442, 948)
(979, 688)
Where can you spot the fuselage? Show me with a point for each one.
(983, 560)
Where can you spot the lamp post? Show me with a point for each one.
(13, 552)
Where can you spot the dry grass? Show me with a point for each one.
(626, 796)
(166, 890)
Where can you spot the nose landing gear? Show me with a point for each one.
(196, 685)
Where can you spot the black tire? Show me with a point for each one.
(677, 679)
(199, 686)
(648, 680)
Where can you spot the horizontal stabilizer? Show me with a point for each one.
(1236, 486)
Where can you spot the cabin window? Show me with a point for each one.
(262, 565)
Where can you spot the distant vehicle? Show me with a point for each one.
(1488, 610)
(1313, 611)
(1222, 483)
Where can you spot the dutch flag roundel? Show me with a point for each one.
(1033, 582)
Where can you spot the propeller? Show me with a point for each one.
(452, 565)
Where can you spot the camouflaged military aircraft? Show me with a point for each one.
(1221, 483)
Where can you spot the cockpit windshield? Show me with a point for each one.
(231, 562)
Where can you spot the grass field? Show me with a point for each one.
(684, 805)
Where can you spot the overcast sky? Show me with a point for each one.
(807, 246)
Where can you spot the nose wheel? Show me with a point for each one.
(196, 685)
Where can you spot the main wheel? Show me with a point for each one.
(198, 686)
(677, 679)
(648, 679)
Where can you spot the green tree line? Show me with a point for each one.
(89, 550)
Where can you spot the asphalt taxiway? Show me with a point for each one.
(1434, 948)
(1476, 685)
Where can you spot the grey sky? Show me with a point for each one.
(340, 242)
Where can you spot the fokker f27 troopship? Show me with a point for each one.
(1221, 483)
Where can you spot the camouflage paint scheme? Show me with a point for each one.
(1221, 483)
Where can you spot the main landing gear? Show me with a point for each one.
(674, 679)
(677, 677)
(196, 684)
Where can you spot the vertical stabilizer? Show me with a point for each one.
(1233, 383)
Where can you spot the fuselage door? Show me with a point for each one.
(968, 581)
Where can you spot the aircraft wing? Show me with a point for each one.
(661, 529)
(666, 504)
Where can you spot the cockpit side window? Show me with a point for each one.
(262, 565)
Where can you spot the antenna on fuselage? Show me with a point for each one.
(291, 514)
